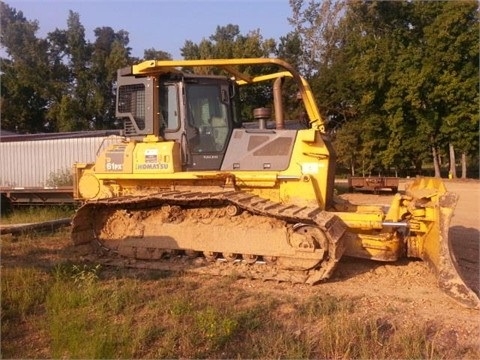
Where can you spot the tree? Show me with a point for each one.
(151, 53)
(79, 55)
(323, 34)
(24, 75)
(63, 82)
(110, 52)
(408, 70)
(348, 146)
(452, 40)
(228, 42)
(316, 24)
(354, 82)
(290, 49)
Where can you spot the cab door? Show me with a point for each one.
(197, 113)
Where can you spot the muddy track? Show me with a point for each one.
(85, 230)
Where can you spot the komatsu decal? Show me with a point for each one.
(156, 166)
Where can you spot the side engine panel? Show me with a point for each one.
(259, 149)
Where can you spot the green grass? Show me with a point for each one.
(73, 309)
(82, 318)
(23, 291)
(31, 214)
(85, 314)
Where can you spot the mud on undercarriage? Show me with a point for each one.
(298, 244)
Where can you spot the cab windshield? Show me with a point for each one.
(208, 115)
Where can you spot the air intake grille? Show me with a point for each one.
(131, 102)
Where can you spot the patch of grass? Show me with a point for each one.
(180, 307)
(318, 306)
(23, 293)
(215, 326)
(276, 339)
(87, 317)
(23, 290)
(81, 316)
(81, 274)
(32, 214)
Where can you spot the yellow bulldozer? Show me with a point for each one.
(192, 179)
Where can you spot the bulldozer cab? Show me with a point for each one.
(195, 111)
(161, 101)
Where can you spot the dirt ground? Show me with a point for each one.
(406, 291)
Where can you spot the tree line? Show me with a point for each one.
(398, 81)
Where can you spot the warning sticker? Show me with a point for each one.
(151, 156)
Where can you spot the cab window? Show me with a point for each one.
(209, 116)
(169, 114)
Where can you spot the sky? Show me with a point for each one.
(161, 24)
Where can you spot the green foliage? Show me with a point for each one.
(23, 293)
(79, 319)
(320, 306)
(62, 82)
(82, 275)
(404, 73)
(23, 77)
(215, 327)
(151, 53)
(226, 43)
(62, 177)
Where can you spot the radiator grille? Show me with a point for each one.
(131, 102)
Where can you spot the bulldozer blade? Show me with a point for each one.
(437, 244)
(449, 278)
